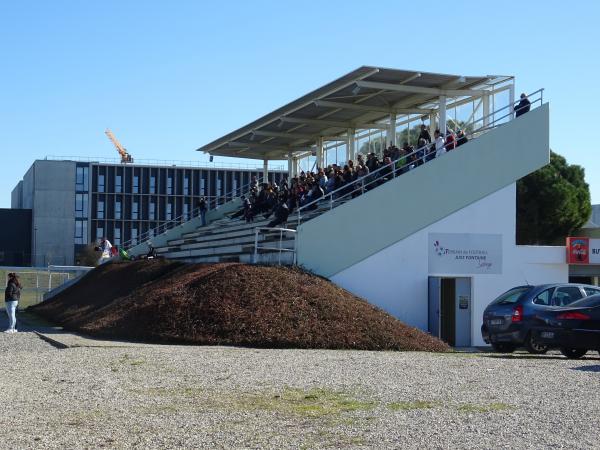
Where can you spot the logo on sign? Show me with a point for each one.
(579, 250)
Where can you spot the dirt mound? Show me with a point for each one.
(228, 304)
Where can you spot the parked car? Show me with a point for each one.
(508, 320)
(574, 329)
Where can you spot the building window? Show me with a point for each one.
(80, 231)
(81, 205)
(186, 186)
(186, 209)
(117, 209)
(118, 183)
(218, 201)
(202, 186)
(136, 184)
(234, 187)
(100, 209)
(100, 183)
(134, 235)
(169, 185)
(134, 210)
(152, 211)
(81, 179)
(117, 236)
(99, 233)
(153, 184)
(169, 215)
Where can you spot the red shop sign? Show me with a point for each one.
(578, 250)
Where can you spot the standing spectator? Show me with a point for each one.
(105, 249)
(425, 134)
(523, 105)
(439, 143)
(12, 295)
(202, 208)
(248, 210)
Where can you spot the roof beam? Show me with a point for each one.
(418, 89)
(284, 135)
(333, 123)
(328, 104)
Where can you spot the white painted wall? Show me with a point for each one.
(395, 278)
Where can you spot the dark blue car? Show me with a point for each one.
(508, 321)
(574, 329)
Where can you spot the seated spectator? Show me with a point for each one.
(461, 138)
(523, 106)
(450, 141)
(281, 215)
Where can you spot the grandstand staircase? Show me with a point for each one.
(227, 240)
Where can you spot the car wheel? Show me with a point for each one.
(534, 347)
(503, 347)
(573, 353)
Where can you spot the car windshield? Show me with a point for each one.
(511, 296)
(586, 302)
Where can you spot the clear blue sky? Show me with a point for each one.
(168, 77)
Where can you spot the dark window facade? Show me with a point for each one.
(127, 201)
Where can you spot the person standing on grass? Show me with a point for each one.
(12, 294)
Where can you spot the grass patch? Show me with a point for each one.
(473, 408)
(313, 403)
(407, 406)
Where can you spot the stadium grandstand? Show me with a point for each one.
(397, 181)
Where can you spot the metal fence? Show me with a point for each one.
(37, 281)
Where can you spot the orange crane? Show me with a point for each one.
(125, 157)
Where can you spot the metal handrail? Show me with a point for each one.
(166, 226)
(368, 179)
(257, 230)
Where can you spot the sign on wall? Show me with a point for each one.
(583, 250)
(465, 254)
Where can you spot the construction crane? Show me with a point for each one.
(125, 157)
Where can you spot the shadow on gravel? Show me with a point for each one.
(595, 368)
(538, 357)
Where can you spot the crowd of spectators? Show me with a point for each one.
(279, 201)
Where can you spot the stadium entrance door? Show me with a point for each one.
(450, 310)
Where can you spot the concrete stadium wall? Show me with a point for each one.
(372, 222)
(396, 278)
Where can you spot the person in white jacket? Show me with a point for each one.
(105, 248)
(440, 148)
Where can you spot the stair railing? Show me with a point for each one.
(279, 248)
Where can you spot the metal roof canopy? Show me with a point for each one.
(360, 99)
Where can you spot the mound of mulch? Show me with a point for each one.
(228, 304)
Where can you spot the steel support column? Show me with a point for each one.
(486, 110)
(319, 153)
(350, 144)
(391, 131)
(265, 170)
(442, 111)
(511, 100)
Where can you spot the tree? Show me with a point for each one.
(552, 202)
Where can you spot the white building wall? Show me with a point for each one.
(396, 278)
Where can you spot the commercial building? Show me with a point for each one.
(76, 202)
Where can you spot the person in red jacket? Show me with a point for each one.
(450, 141)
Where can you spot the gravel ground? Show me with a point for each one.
(219, 397)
